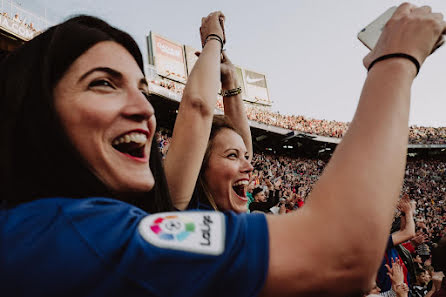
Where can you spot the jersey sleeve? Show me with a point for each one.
(197, 253)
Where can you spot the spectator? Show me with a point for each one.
(406, 232)
(419, 289)
(261, 203)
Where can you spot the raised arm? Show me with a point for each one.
(344, 226)
(407, 230)
(233, 105)
(193, 124)
(396, 275)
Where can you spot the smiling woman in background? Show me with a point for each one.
(80, 170)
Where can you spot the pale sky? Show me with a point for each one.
(307, 48)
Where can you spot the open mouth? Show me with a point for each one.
(131, 144)
(240, 189)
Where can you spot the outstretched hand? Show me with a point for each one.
(213, 24)
(404, 205)
(395, 272)
(412, 30)
(419, 239)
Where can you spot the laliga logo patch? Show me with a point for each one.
(198, 232)
(173, 227)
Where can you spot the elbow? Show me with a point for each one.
(411, 234)
(198, 105)
(360, 269)
(357, 266)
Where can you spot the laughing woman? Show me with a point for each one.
(74, 218)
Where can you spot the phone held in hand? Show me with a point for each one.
(370, 34)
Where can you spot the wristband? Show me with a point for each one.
(396, 55)
(214, 37)
(232, 92)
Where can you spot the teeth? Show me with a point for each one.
(241, 183)
(135, 137)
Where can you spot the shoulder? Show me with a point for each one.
(140, 247)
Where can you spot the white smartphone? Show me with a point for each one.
(370, 34)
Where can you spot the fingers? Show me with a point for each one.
(213, 24)
(438, 16)
(423, 9)
(218, 14)
(224, 57)
(403, 9)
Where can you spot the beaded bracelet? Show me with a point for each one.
(232, 92)
(396, 55)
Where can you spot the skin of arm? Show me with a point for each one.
(344, 225)
(431, 292)
(407, 230)
(233, 106)
(193, 124)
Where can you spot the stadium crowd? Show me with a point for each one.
(417, 134)
(424, 183)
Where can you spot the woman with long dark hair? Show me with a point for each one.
(39, 159)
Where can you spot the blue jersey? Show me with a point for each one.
(105, 247)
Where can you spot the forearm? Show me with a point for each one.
(407, 233)
(409, 227)
(235, 111)
(193, 125)
(203, 82)
(364, 176)
(359, 188)
(431, 292)
(403, 222)
(273, 198)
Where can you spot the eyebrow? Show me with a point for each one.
(114, 73)
(234, 149)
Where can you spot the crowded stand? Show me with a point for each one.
(417, 134)
(300, 123)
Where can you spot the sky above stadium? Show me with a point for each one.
(307, 48)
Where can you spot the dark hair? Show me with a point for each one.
(38, 160)
(420, 271)
(256, 191)
(201, 193)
